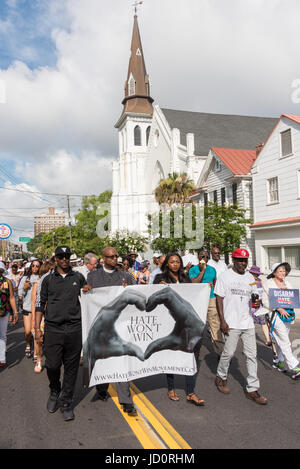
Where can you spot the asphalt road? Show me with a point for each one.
(231, 422)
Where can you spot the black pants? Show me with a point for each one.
(62, 348)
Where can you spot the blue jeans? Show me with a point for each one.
(190, 382)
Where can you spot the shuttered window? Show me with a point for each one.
(223, 196)
(273, 190)
(234, 193)
(286, 143)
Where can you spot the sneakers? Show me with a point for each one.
(279, 366)
(295, 373)
(222, 385)
(256, 397)
(68, 413)
(52, 404)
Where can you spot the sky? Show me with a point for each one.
(63, 66)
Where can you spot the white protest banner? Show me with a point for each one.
(142, 330)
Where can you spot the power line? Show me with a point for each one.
(47, 193)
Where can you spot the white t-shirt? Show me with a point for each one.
(236, 291)
(220, 266)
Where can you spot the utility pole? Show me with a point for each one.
(70, 226)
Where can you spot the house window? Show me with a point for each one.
(215, 197)
(273, 190)
(274, 256)
(137, 136)
(286, 142)
(148, 134)
(292, 256)
(205, 198)
(223, 196)
(234, 193)
(218, 166)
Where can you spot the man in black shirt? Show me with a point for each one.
(109, 276)
(59, 302)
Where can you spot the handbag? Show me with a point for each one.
(291, 314)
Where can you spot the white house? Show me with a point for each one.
(226, 179)
(276, 202)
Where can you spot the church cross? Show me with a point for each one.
(135, 5)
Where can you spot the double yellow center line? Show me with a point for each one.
(149, 426)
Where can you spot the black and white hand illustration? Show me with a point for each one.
(188, 328)
(103, 341)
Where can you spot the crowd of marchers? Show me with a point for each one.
(46, 295)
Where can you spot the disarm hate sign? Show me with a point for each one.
(284, 298)
(142, 330)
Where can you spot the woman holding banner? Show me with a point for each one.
(173, 272)
(281, 321)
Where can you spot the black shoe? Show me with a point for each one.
(102, 395)
(129, 409)
(68, 413)
(52, 404)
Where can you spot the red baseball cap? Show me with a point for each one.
(241, 253)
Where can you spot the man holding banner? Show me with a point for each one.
(140, 330)
(107, 277)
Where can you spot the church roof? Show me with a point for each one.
(220, 130)
(239, 162)
(137, 87)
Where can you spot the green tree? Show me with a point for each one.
(175, 189)
(84, 235)
(125, 241)
(224, 226)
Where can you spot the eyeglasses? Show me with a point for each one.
(35, 265)
(112, 257)
(63, 256)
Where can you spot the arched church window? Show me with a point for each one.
(137, 136)
(148, 134)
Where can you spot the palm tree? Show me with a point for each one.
(175, 189)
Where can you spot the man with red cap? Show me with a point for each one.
(233, 292)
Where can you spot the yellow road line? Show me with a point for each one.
(140, 428)
(150, 427)
(164, 429)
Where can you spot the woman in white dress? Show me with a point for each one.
(282, 320)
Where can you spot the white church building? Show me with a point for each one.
(154, 142)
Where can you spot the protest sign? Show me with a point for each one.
(284, 298)
(142, 330)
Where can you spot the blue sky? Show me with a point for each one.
(25, 32)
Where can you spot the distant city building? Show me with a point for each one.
(46, 222)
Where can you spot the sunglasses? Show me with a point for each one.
(63, 256)
(113, 256)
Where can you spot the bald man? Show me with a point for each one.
(110, 276)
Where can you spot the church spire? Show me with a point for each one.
(137, 87)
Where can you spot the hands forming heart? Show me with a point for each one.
(103, 340)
